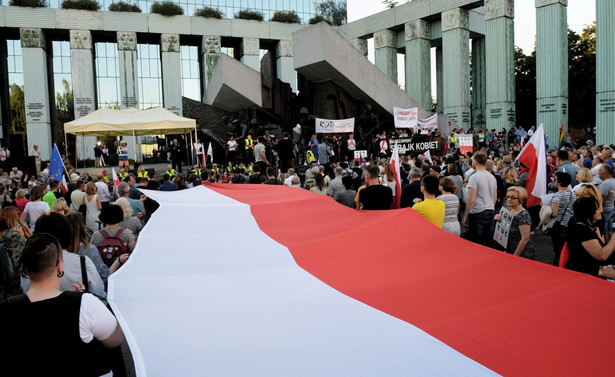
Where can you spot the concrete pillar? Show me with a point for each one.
(284, 63)
(129, 83)
(211, 55)
(5, 108)
(439, 81)
(36, 90)
(605, 74)
(479, 84)
(552, 67)
(500, 57)
(84, 89)
(171, 73)
(456, 59)
(249, 52)
(360, 44)
(385, 43)
(418, 62)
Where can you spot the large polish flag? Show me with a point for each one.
(534, 157)
(259, 280)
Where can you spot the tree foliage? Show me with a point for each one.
(28, 3)
(17, 104)
(208, 12)
(582, 77)
(289, 17)
(122, 6)
(167, 8)
(80, 4)
(247, 14)
(332, 11)
(581, 81)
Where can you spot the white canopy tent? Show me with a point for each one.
(130, 122)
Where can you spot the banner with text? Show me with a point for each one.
(360, 156)
(324, 126)
(465, 143)
(406, 118)
(428, 124)
(502, 227)
(407, 145)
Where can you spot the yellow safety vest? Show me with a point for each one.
(142, 174)
(310, 156)
(122, 176)
(250, 169)
(453, 139)
(249, 143)
(197, 171)
(172, 172)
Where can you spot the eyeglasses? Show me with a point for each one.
(511, 197)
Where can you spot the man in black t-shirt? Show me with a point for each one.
(375, 195)
(285, 152)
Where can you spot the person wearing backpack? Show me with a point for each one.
(112, 241)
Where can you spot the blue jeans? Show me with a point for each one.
(480, 227)
(608, 221)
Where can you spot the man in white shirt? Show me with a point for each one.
(290, 173)
(16, 174)
(77, 197)
(352, 146)
(37, 158)
(103, 191)
(480, 206)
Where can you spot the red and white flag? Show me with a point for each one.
(533, 157)
(366, 293)
(396, 165)
(116, 182)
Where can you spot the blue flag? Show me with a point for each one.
(56, 166)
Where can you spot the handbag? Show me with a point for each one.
(557, 225)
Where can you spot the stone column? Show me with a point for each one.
(605, 74)
(439, 81)
(360, 44)
(284, 63)
(479, 87)
(36, 91)
(385, 44)
(5, 108)
(552, 67)
(249, 51)
(171, 73)
(211, 55)
(500, 57)
(129, 84)
(456, 59)
(84, 89)
(418, 62)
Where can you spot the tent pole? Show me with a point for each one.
(191, 150)
(136, 144)
(187, 148)
(83, 149)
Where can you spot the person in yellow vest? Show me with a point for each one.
(122, 174)
(309, 156)
(104, 174)
(170, 171)
(249, 145)
(250, 168)
(142, 173)
(229, 167)
(197, 170)
(215, 172)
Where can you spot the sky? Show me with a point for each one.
(580, 13)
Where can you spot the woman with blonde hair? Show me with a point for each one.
(584, 175)
(93, 206)
(20, 200)
(15, 236)
(520, 242)
(130, 222)
(388, 179)
(60, 206)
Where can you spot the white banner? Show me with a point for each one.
(465, 143)
(406, 118)
(324, 126)
(502, 227)
(428, 124)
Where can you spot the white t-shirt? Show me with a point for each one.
(485, 185)
(232, 145)
(35, 210)
(352, 144)
(199, 148)
(95, 320)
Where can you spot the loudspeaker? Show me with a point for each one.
(23, 163)
(16, 145)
